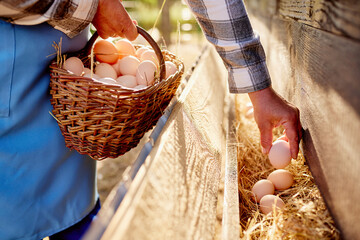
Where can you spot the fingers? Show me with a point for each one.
(292, 134)
(266, 137)
(112, 20)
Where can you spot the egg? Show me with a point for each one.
(116, 67)
(140, 86)
(281, 178)
(279, 154)
(87, 71)
(170, 68)
(261, 188)
(140, 50)
(93, 76)
(105, 51)
(149, 55)
(74, 65)
(128, 65)
(107, 81)
(125, 48)
(127, 81)
(105, 70)
(269, 203)
(145, 73)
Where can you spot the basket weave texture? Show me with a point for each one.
(106, 121)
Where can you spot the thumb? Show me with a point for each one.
(266, 137)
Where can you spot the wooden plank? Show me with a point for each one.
(318, 71)
(174, 195)
(341, 17)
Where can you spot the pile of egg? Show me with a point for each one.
(120, 63)
(280, 179)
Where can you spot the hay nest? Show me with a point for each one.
(305, 215)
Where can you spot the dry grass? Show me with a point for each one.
(305, 215)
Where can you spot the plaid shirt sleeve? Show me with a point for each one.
(226, 25)
(68, 16)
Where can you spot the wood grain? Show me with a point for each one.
(174, 194)
(336, 16)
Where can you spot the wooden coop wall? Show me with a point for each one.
(313, 55)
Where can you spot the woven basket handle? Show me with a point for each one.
(147, 37)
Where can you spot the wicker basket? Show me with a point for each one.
(106, 121)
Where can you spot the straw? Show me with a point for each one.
(305, 215)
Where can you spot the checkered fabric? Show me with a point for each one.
(68, 16)
(226, 25)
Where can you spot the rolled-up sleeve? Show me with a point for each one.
(68, 16)
(226, 25)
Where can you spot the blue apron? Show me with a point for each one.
(44, 187)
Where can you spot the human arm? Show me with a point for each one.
(71, 16)
(226, 25)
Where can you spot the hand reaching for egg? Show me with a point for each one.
(270, 111)
(111, 20)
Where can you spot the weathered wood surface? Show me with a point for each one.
(337, 16)
(174, 194)
(319, 72)
(341, 17)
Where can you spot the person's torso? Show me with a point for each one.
(44, 187)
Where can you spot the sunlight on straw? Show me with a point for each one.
(178, 38)
(158, 16)
(54, 117)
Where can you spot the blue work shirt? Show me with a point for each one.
(44, 187)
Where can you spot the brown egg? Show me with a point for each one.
(281, 178)
(125, 48)
(279, 154)
(269, 203)
(261, 188)
(105, 51)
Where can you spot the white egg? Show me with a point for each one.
(281, 178)
(127, 81)
(74, 65)
(170, 68)
(269, 203)
(151, 56)
(145, 73)
(106, 81)
(93, 76)
(279, 154)
(105, 70)
(140, 86)
(116, 67)
(139, 51)
(128, 65)
(87, 71)
(261, 188)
